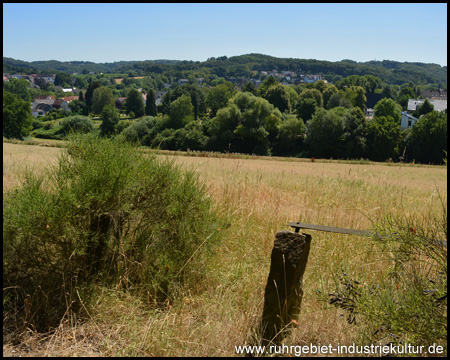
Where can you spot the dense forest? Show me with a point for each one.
(390, 72)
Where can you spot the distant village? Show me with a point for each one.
(44, 104)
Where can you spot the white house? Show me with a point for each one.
(407, 120)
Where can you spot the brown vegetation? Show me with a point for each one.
(260, 197)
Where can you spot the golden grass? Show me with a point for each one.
(259, 197)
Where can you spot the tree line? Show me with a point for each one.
(318, 120)
(388, 71)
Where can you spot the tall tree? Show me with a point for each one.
(356, 94)
(135, 103)
(324, 134)
(150, 105)
(110, 118)
(218, 98)
(327, 93)
(181, 112)
(90, 94)
(383, 138)
(196, 95)
(278, 96)
(306, 108)
(428, 141)
(355, 134)
(102, 96)
(289, 140)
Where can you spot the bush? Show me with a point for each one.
(121, 126)
(106, 214)
(51, 133)
(140, 130)
(409, 304)
(76, 123)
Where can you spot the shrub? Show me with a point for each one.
(121, 126)
(409, 304)
(76, 123)
(51, 133)
(107, 214)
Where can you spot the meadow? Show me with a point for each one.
(259, 197)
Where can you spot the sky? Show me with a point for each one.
(188, 31)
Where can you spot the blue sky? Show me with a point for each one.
(114, 32)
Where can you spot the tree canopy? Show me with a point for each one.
(17, 118)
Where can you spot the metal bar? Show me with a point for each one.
(368, 233)
(299, 225)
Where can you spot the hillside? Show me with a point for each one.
(391, 72)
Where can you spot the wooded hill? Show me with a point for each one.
(391, 72)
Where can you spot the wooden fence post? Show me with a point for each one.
(283, 294)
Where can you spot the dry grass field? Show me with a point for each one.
(259, 197)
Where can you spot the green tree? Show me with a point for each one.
(266, 84)
(102, 96)
(77, 107)
(424, 109)
(312, 94)
(320, 85)
(18, 87)
(289, 141)
(150, 105)
(222, 128)
(249, 87)
(80, 83)
(389, 92)
(388, 108)
(359, 98)
(278, 96)
(135, 103)
(17, 118)
(63, 79)
(383, 138)
(338, 100)
(190, 137)
(90, 94)
(327, 93)
(181, 112)
(293, 96)
(110, 118)
(306, 108)
(355, 134)
(246, 125)
(428, 140)
(405, 94)
(196, 95)
(218, 98)
(324, 134)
